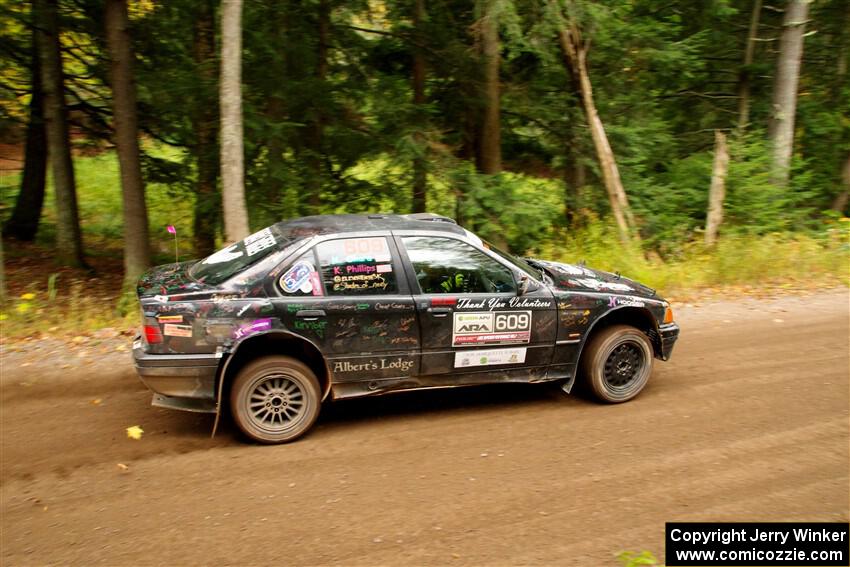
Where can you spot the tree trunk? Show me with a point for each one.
(744, 76)
(717, 193)
(840, 202)
(137, 256)
(2, 274)
(785, 88)
(419, 164)
(575, 57)
(490, 140)
(69, 241)
(232, 151)
(207, 212)
(23, 224)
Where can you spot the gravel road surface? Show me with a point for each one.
(748, 422)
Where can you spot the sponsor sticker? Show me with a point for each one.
(177, 330)
(255, 326)
(486, 328)
(490, 357)
(316, 283)
(296, 276)
(170, 318)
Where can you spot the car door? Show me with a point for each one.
(474, 324)
(349, 296)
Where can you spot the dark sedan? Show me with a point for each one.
(352, 305)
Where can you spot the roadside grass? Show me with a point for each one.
(739, 262)
(634, 559)
(46, 300)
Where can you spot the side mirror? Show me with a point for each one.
(522, 284)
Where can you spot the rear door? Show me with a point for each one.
(474, 325)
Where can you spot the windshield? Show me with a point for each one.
(519, 262)
(229, 261)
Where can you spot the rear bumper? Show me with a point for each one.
(668, 334)
(179, 381)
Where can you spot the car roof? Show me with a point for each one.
(334, 224)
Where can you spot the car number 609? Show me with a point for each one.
(512, 321)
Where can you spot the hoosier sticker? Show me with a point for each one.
(489, 328)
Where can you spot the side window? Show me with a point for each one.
(446, 265)
(357, 266)
(301, 277)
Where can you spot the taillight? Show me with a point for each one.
(152, 334)
(668, 314)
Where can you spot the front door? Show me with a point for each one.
(474, 325)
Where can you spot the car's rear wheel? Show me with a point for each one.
(275, 399)
(617, 363)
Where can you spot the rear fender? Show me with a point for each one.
(269, 336)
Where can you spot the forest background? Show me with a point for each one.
(688, 144)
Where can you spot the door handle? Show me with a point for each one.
(310, 314)
(439, 311)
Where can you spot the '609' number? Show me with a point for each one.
(514, 321)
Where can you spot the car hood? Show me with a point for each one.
(168, 279)
(572, 277)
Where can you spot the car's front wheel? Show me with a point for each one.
(275, 399)
(617, 363)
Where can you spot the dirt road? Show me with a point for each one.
(749, 421)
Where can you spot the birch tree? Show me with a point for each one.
(574, 49)
(232, 150)
(785, 88)
(717, 191)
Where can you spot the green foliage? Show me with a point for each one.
(634, 559)
(785, 259)
(331, 126)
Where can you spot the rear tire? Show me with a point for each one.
(617, 363)
(275, 399)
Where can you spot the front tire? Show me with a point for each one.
(275, 399)
(617, 363)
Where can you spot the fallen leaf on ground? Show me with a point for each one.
(135, 432)
(96, 401)
(123, 467)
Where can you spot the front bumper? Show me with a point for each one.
(668, 334)
(178, 381)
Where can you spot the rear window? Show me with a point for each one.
(229, 261)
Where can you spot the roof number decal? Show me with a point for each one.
(259, 241)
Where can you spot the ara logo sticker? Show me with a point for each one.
(296, 277)
(504, 327)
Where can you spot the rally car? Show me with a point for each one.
(340, 306)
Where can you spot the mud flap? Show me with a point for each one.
(218, 393)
